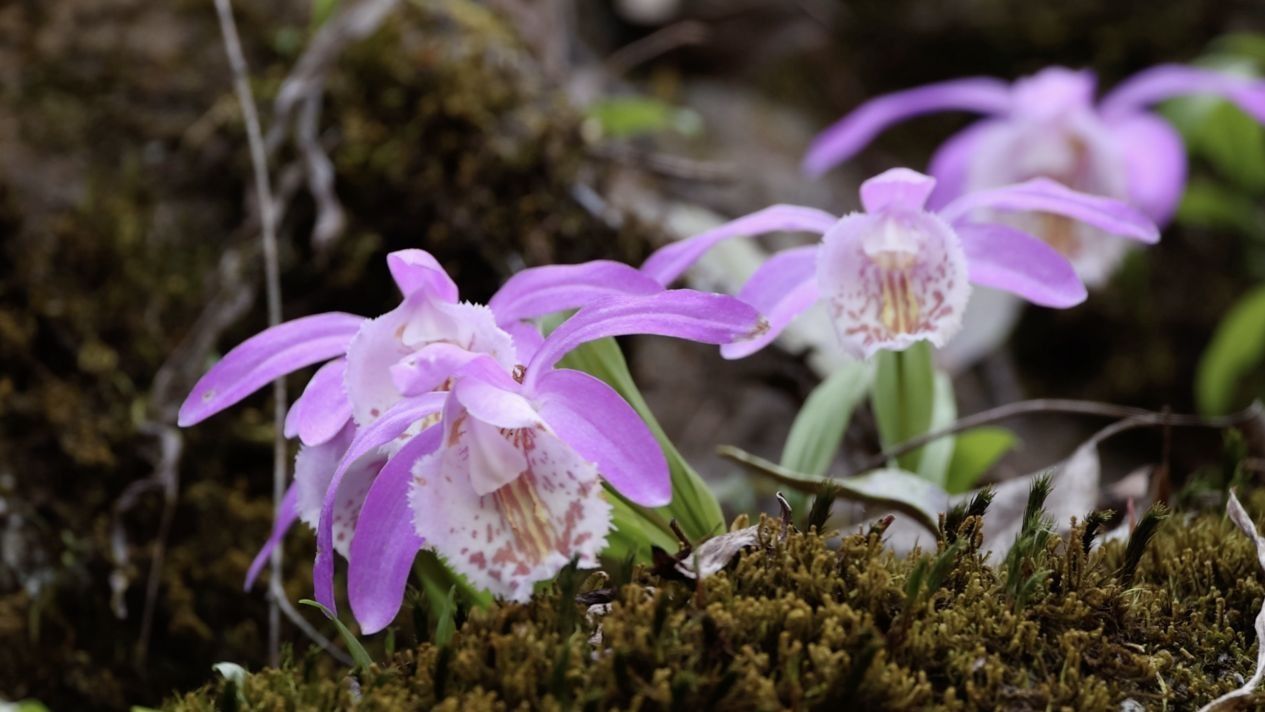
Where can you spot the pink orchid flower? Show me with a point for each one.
(898, 272)
(1048, 125)
(356, 386)
(507, 488)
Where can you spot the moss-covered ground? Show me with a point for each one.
(806, 621)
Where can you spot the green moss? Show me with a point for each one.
(820, 621)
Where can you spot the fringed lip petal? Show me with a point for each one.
(682, 313)
(1011, 260)
(598, 423)
(670, 262)
(287, 513)
(781, 289)
(323, 408)
(523, 532)
(417, 270)
(1167, 81)
(890, 281)
(538, 291)
(265, 357)
(853, 132)
(1046, 196)
(382, 431)
(385, 543)
(1155, 159)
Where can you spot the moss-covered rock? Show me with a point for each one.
(815, 622)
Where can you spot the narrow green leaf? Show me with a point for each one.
(446, 618)
(974, 453)
(820, 424)
(322, 10)
(903, 396)
(693, 504)
(627, 116)
(1234, 144)
(633, 530)
(936, 456)
(892, 489)
(1237, 347)
(357, 651)
(1207, 204)
(437, 578)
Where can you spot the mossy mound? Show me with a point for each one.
(804, 621)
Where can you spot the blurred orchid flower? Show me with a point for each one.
(365, 358)
(507, 489)
(1047, 125)
(898, 272)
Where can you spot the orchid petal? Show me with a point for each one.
(323, 409)
(1046, 196)
(265, 357)
(1172, 80)
(378, 434)
(851, 133)
(890, 280)
(538, 291)
(1005, 258)
(315, 468)
(670, 262)
(781, 289)
(524, 532)
(1155, 158)
(287, 512)
(426, 369)
(527, 339)
(896, 188)
(385, 544)
(418, 322)
(951, 163)
(683, 313)
(598, 423)
(417, 270)
(494, 403)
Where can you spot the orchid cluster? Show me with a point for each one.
(1048, 125)
(449, 425)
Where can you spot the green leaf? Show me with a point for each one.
(446, 618)
(437, 578)
(322, 10)
(627, 116)
(936, 456)
(1207, 204)
(357, 651)
(891, 489)
(819, 426)
(974, 453)
(633, 530)
(903, 398)
(1234, 144)
(693, 505)
(1237, 347)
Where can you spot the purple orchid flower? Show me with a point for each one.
(507, 489)
(1047, 125)
(356, 386)
(898, 272)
